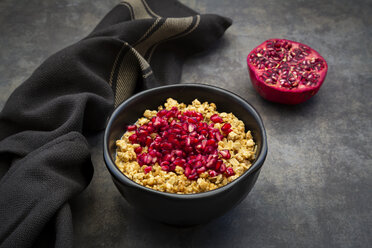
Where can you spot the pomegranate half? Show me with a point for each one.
(286, 71)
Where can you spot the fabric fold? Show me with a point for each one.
(138, 45)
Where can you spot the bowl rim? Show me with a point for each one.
(122, 178)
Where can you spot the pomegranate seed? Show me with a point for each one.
(166, 146)
(167, 157)
(192, 120)
(218, 164)
(157, 122)
(132, 128)
(191, 128)
(222, 168)
(218, 136)
(216, 118)
(204, 132)
(228, 131)
(193, 176)
(194, 140)
(178, 153)
(147, 169)
(147, 159)
(187, 171)
(172, 167)
(211, 142)
(201, 170)
(152, 153)
(148, 140)
(143, 132)
(154, 160)
(198, 164)
(225, 154)
(164, 163)
(133, 138)
(140, 159)
(188, 149)
(212, 173)
(226, 127)
(174, 109)
(199, 116)
(162, 112)
(229, 171)
(138, 150)
(179, 161)
(188, 141)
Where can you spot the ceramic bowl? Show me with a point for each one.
(184, 209)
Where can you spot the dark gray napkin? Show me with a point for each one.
(138, 45)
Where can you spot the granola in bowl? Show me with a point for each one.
(185, 149)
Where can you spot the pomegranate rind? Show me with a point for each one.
(282, 94)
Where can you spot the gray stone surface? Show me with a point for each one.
(315, 189)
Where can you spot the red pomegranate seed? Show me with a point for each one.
(166, 146)
(199, 116)
(132, 128)
(140, 159)
(225, 154)
(178, 153)
(187, 171)
(229, 171)
(152, 153)
(211, 163)
(218, 164)
(147, 169)
(201, 170)
(228, 131)
(222, 168)
(147, 159)
(148, 140)
(193, 176)
(179, 161)
(164, 163)
(191, 128)
(211, 142)
(154, 160)
(192, 120)
(162, 112)
(218, 136)
(150, 128)
(133, 138)
(142, 132)
(212, 173)
(216, 118)
(169, 157)
(198, 164)
(226, 127)
(138, 150)
(172, 167)
(157, 122)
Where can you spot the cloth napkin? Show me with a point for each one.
(138, 45)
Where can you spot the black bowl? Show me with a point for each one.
(186, 209)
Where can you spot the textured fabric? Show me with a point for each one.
(138, 45)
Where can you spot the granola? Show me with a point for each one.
(238, 142)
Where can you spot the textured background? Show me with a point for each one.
(315, 189)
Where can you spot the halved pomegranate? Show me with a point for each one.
(286, 71)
